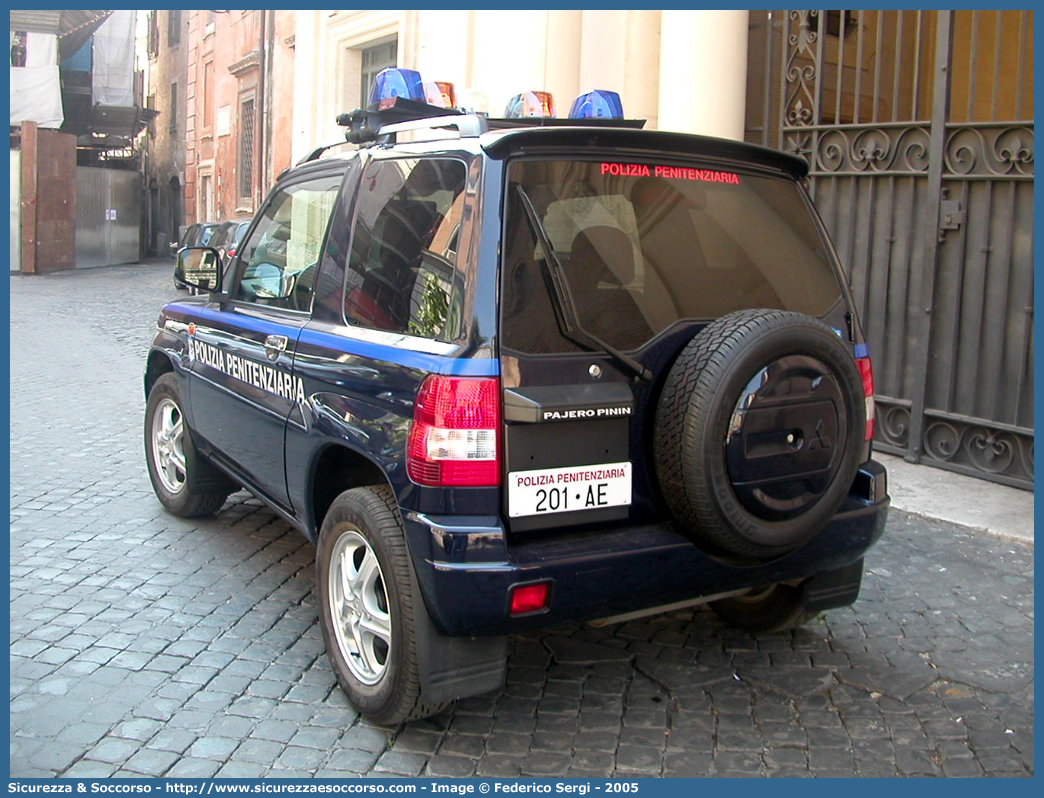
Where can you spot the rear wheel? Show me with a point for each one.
(186, 483)
(773, 608)
(367, 601)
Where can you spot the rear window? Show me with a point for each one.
(644, 245)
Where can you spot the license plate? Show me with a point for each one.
(566, 490)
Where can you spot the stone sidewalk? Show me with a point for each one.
(966, 501)
(146, 645)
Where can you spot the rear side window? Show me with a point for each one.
(404, 247)
(644, 245)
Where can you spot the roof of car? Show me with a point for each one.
(501, 143)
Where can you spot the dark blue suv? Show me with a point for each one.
(526, 375)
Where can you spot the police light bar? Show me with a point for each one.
(439, 93)
(364, 126)
(400, 100)
(598, 104)
(394, 82)
(530, 103)
(472, 101)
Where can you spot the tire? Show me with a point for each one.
(759, 432)
(185, 483)
(367, 599)
(775, 608)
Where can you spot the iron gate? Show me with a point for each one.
(108, 216)
(918, 129)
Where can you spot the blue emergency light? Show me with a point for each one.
(395, 82)
(599, 104)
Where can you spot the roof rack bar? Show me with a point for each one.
(468, 126)
(398, 114)
(314, 154)
(362, 125)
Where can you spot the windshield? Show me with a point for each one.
(644, 245)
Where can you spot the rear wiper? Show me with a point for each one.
(562, 299)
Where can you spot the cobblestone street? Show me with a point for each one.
(147, 645)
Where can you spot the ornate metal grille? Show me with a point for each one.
(918, 129)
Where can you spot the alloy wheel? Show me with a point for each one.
(168, 453)
(359, 608)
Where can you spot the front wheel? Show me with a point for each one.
(186, 484)
(367, 601)
(773, 608)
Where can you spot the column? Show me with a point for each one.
(703, 72)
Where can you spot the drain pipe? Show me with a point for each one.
(260, 115)
(269, 94)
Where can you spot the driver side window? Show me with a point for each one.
(279, 260)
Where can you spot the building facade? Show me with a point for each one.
(164, 165)
(238, 97)
(649, 57)
(76, 114)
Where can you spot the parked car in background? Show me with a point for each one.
(228, 236)
(195, 235)
(224, 237)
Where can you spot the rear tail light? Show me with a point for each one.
(453, 440)
(866, 372)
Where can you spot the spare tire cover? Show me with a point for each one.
(759, 432)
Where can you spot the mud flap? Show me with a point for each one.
(457, 667)
(831, 589)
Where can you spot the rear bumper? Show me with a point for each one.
(466, 567)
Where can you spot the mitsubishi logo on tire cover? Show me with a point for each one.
(820, 441)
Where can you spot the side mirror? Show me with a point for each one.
(199, 267)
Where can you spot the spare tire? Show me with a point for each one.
(759, 432)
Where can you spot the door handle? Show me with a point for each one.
(274, 344)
